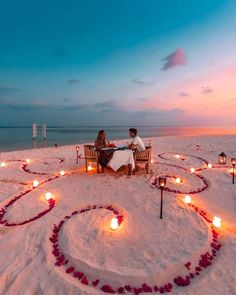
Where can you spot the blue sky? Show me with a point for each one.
(117, 62)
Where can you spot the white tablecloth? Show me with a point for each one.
(121, 158)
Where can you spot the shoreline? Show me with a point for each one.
(19, 139)
(121, 140)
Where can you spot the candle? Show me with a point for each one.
(114, 224)
(187, 199)
(62, 172)
(27, 161)
(90, 167)
(192, 170)
(35, 183)
(3, 164)
(48, 196)
(177, 156)
(152, 161)
(209, 165)
(216, 221)
(178, 180)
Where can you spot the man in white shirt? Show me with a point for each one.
(136, 142)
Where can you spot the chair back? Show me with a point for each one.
(144, 156)
(90, 153)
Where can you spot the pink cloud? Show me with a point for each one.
(176, 58)
(215, 99)
(206, 90)
(183, 94)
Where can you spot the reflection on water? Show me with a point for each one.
(13, 138)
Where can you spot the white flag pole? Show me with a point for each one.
(34, 127)
(44, 131)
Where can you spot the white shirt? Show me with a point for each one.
(139, 143)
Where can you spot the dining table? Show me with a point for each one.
(122, 156)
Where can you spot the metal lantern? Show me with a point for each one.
(222, 158)
(162, 184)
(77, 154)
(233, 161)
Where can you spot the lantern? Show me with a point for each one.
(233, 161)
(48, 196)
(114, 224)
(187, 199)
(90, 167)
(222, 158)
(216, 221)
(35, 183)
(162, 184)
(178, 180)
(77, 154)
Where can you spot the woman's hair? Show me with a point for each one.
(101, 134)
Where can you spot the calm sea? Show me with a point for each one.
(18, 138)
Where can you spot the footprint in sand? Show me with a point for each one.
(3, 231)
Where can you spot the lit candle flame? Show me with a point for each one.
(48, 196)
(62, 172)
(192, 170)
(27, 161)
(209, 165)
(35, 183)
(177, 156)
(90, 168)
(216, 221)
(187, 199)
(178, 180)
(114, 224)
(3, 164)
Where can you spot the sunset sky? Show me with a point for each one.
(149, 62)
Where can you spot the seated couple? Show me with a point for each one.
(105, 156)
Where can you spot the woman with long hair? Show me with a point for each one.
(101, 140)
(106, 154)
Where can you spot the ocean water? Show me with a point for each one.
(19, 138)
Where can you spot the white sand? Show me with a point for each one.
(144, 249)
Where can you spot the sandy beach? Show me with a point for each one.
(65, 245)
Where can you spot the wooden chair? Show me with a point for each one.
(90, 155)
(143, 157)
